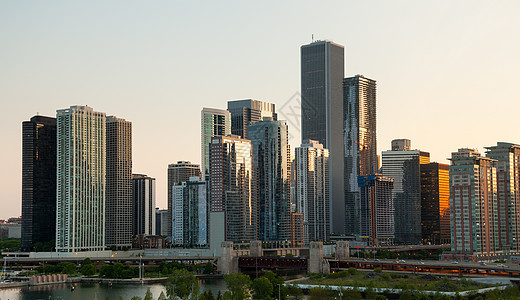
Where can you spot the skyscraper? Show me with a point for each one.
(144, 212)
(507, 156)
(80, 179)
(118, 205)
(233, 203)
(38, 183)
(246, 112)
(435, 203)
(190, 214)
(322, 72)
(178, 173)
(271, 164)
(404, 167)
(377, 210)
(359, 100)
(311, 169)
(214, 122)
(473, 206)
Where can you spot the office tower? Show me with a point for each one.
(80, 179)
(158, 221)
(233, 204)
(271, 165)
(508, 194)
(473, 206)
(190, 214)
(322, 72)
(311, 169)
(377, 210)
(297, 235)
(38, 183)
(163, 223)
(435, 203)
(214, 122)
(401, 145)
(144, 213)
(404, 167)
(246, 112)
(118, 202)
(177, 174)
(359, 100)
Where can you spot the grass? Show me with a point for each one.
(395, 281)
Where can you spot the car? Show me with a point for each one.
(421, 262)
(454, 262)
(483, 263)
(376, 259)
(402, 261)
(364, 259)
(501, 265)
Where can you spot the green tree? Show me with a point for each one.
(148, 295)
(319, 293)
(262, 288)
(136, 298)
(69, 268)
(185, 283)
(295, 292)
(237, 285)
(88, 270)
(207, 295)
(208, 268)
(86, 261)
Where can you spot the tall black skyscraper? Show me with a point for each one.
(38, 183)
(247, 112)
(322, 71)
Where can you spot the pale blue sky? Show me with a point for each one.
(446, 71)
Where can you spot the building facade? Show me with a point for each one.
(507, 156)
(473, 206)
(143, 205)
(177, 174)
(404, 167)
(233, 203)
(190, 214)
(246, 112)
(38, 183)
(311, 170)
(360, 143)
(376, 209)
(271, 165)
(214, 122)
(435, 203)
(118, 202)
(80, 179)
(322, 72)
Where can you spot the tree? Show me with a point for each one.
(69, 268)
(136, 298)
(295, 292)
(207, 295)
(237, 285)
(148, 295)
(319, 293)
(185, 283)
(209, 269)
(262, 288)
(88, 270)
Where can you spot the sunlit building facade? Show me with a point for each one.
(246, 112)
(435, 203)
(214, 122)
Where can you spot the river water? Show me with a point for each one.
(97, 291)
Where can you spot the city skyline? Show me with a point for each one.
(448, 59)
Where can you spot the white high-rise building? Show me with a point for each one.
(312, 194)
(81, 167)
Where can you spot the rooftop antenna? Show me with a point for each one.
(312, 37)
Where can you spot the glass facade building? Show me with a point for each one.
(143, 205)
(271, 165)
(322, 72)
(38, 183)
(246, 112)
(80, 179)
(360, 143)
(435, 203)
(214, 122)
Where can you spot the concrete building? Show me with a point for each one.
(246, 112)
(473, 206)
(81, 167)
(144, 213)
(322, 115)
(118, 205)
(360, 143)
(404, 167)
(271, 164)
(177, 174)
(507, 156)
(162, 217)
(233, 202)
(190, 214)
(312, 197)
(38, 182)
(435, 203)
(376, 209)
(214, 122)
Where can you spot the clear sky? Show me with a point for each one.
(447, 71)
